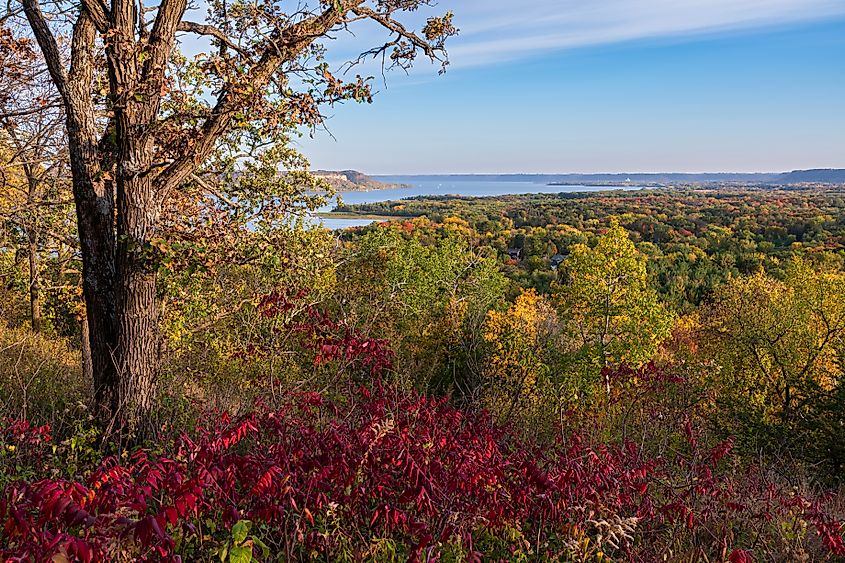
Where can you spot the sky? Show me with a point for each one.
(556, 86)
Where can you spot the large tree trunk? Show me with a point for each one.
(94, 199)
(117, 218)
(96, 237)
(136, 305)
(93, 196)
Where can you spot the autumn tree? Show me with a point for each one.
(427, 289)
(779, 344)
(143, 123)
(36, 203)
(522, 342)
(605, 301)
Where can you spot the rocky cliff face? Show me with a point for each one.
(352, 180)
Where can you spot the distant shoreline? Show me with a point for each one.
(613, 184)
(353, 215)
(818, 176)
(375, 187)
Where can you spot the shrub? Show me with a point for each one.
(386, 476)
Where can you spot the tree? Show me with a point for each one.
(427, 290)
(144, 122)
(522, 349)
(605, 301)
(36, 203)
(780, 345)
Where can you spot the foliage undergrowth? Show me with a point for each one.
(386, 475)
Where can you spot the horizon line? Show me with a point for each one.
(698, 173)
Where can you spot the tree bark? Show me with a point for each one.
(136, 306)
(94, 197)
(87, 364)
(34, 282)
(137, 91)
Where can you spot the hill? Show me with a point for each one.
(352, 180)
(816, 176)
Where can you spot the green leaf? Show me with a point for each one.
(240, 554)
(265, 551)
(240, 531)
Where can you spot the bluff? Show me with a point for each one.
(352, 180)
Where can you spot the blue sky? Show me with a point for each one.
(608, 86)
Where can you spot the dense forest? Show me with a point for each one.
(694, 239)
(191, 370)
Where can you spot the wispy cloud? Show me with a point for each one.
(498, 30)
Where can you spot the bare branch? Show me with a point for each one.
(30, 111)
(9, 13)
(211, 31)
(216, 193)
(48, 44)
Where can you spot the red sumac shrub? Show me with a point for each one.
(388, 474)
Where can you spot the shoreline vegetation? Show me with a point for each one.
(353, 215)
(424, 205)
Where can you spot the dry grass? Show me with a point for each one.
(40, 379)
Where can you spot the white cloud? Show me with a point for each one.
(496, 30)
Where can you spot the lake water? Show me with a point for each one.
(463, 186)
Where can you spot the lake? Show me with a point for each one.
(445, 185)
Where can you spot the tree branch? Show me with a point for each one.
(393, 25)
(78, 102)
(99, 14)
(47, 42)
(211, 31)
(291, 42)
(30, 111)
(162, 38)
(216, 193)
